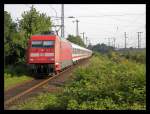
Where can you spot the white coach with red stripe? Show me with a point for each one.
(79, 52)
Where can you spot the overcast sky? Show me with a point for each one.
(98, 21)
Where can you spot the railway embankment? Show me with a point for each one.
(15, 75)
(32, 88)
(109, 82)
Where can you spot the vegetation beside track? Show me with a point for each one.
(135, 55)
(14, 75)
(109, 83)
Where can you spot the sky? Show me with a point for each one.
(99, 21)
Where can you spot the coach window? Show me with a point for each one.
(48, 43)
(73, 50)
(36, 43)
(76, 51)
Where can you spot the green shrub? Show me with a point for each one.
(106, 84)
(119, 85)
(16, 70)
(137, 56)
(14, 75)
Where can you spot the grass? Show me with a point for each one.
(108, 83)
(10, 81)
(14, 75)
(39, 102)
(135, 55)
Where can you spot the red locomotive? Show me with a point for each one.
(49, 54)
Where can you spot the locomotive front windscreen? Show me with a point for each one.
(42, 44)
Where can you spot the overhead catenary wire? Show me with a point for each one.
(93, 16)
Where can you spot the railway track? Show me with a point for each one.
(10, 98)
(17, 93)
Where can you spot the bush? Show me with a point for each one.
(108, 85)
(16, 70)
(104, 85)
(137, 56)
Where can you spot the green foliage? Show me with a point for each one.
(9, 32)
(101, 48)
(107, 85)
(16, 70)
(7, 24)
(33, 22)
(11, 80)
(138, 56)
(77, 40)
(135, 56)
(15, 39)
(43, 101)
(72, 104)
(14, 75)
(12, 53)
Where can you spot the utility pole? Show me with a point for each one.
(108, 41)
(139, 39)
(62, 20)
(83, 36)
(125, 35)
(77, 28)
(86, 41)
(114, 41)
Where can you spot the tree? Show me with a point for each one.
(89, 46)
(16, 37)
(7, 24)
(33, 22)
(9, 32)
(103, 48)
(76, 39)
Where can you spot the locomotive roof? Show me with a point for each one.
(72, 44)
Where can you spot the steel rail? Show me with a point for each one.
(11, 100)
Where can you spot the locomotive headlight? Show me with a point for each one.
(31, 59)
(56, 64)
(52, 58)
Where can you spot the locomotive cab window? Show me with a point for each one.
(41, 44)
(36, 43)
(48, 43)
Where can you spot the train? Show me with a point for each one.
(50, 54)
